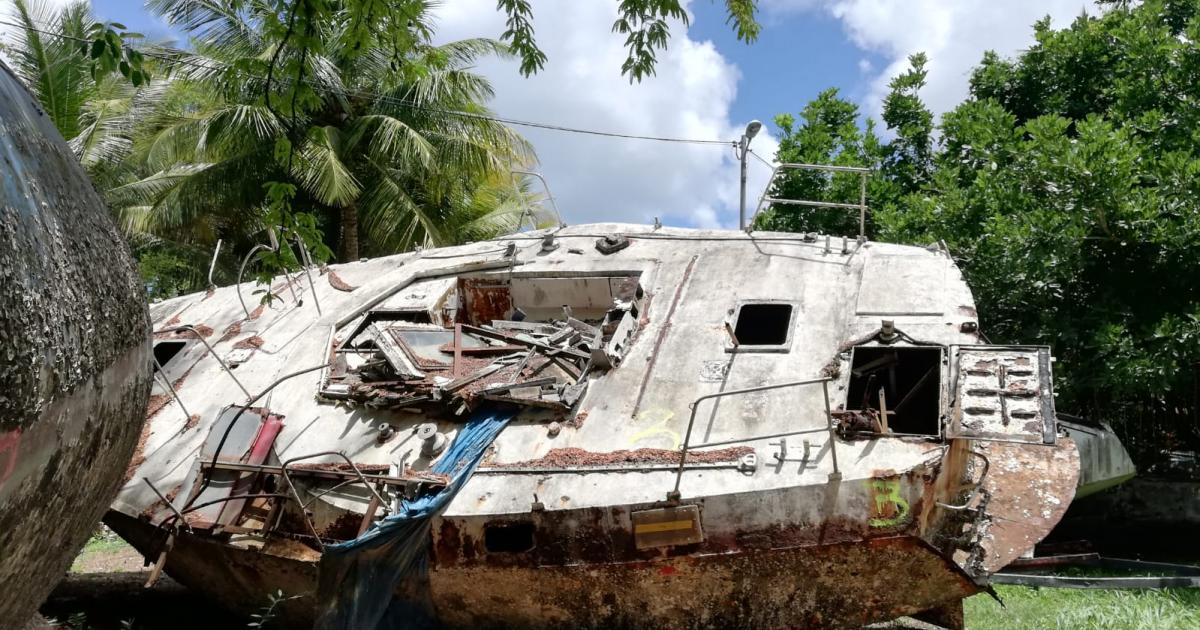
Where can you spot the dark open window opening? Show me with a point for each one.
(910, 379)
(164, 351)
(508, 538)
(763, 324)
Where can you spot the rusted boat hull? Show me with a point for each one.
(841, 585)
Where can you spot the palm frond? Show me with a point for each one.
(320, 170)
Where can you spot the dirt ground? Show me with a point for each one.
(105, 590)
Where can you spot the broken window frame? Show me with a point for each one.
(732, 322)
(944, 390)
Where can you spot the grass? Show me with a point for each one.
(1068, 609)
(99, 551)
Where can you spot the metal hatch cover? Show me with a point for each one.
(1003, 393)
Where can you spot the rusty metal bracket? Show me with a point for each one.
(303, 505)
(987, 465)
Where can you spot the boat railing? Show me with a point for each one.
(674, 495)
(861, 206)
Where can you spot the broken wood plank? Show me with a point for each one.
(503, 387)
(524, 341)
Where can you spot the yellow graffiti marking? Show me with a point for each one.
(886, 492)
(659, 428)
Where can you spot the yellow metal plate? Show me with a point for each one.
(667, 527)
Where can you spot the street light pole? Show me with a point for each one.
(743, 147)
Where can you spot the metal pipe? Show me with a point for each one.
(242, 270)
(814, 204)
(756, 438)
(674, 494)
(168, 503)
(212, 352)
(603, 469)
(829, 423)
(213, 265)
(303, 505)
(308, 272)
(232, 497)
(349, 463)
(549, 195)
(862, 207)
(743, 146)
(826, 167)
(158, 370)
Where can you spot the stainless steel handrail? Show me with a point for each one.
(549, 195)
(213, 265)
(242, 270)
(210, 351)
(861, 206)
(674, 495)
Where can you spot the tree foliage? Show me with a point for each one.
(1066, 186)
(644, 23)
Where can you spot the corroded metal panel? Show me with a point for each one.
(1029, 488)
(1004, 392)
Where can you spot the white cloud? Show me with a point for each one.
(608, 179)
(953, 34)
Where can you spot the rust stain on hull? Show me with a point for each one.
(842, 585)
(836, 585)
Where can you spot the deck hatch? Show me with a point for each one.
(903, 383)
(1004, 393)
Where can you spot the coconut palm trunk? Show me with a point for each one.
(349, 221)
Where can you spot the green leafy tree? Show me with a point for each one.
(1067, 186)
(828, 134)
(642, 22)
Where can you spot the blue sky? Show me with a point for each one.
(798, 55)
(708, 85)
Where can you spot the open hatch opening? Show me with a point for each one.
(164, 351)
(904, 380)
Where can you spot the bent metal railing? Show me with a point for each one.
(861, 206)
(674, 496)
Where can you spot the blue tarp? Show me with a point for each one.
(358, 579)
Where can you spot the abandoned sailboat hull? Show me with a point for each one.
(684, 402)
(73, 369)
(838, 585)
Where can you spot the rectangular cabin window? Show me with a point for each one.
(764, 326)
(906, 382)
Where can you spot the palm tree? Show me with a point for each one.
(377, 157)
(96, 116)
